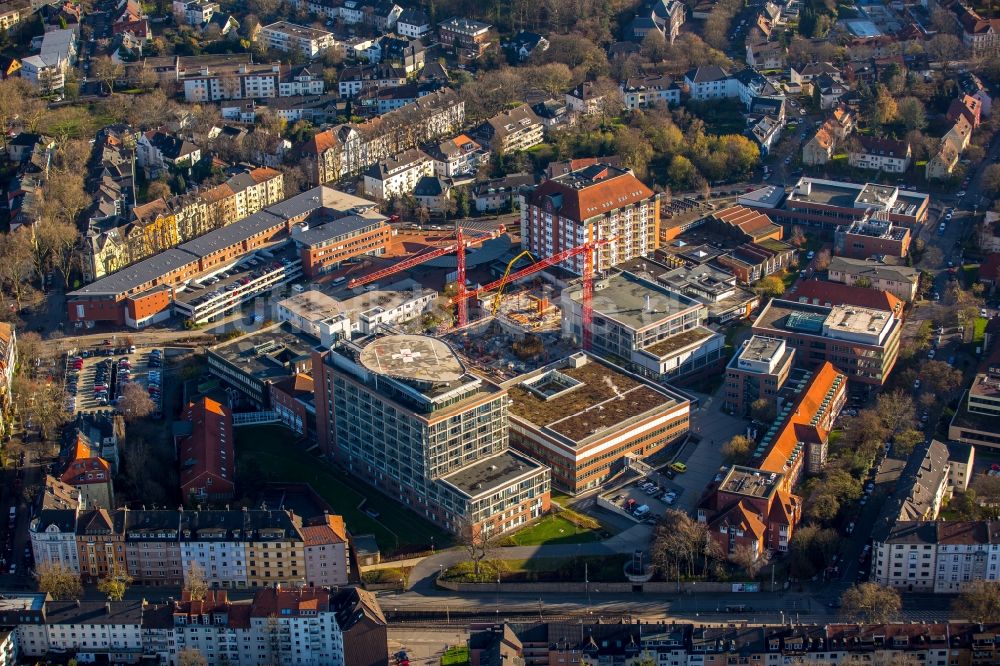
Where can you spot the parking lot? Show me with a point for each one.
(95, 378)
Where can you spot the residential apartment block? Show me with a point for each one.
(640, 92)
(881, 154)
(207, 461)
(511, 131)
(552, 644)
(289, 38)
(861, 342)
(595, 202)
(163, 224)
(943, 557)
(398, 175)
(403, 413)
(584, 417)
(470, 39)
(307, 626)
(352, 148)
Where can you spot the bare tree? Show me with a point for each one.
(477, 542)
(191, 657)
(115, 583)
(58, 580)
(107, 71)
(979, 602)
(749, 559)
(195, 583)
(135, 402)
(871, 603)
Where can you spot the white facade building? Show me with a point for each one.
(398, 176)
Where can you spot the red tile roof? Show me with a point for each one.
(85, 471)
(290, 602)
(809, 405)
(601, 196)
(330, 531)
(820, 292)
(206, 457)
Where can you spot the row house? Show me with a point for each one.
(233, 79)
(351, 148)
(980, 35)
(162, 224)
(937, 556)
(232, 549)
(279, 626)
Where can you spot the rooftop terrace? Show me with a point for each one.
(750, 482)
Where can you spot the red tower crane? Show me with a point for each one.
(587, 249)
(458, 245)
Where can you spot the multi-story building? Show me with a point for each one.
(307, 626)
(977, 420)
(589, 204)
(242, 548)
(470, 39)
(583, 417)
(413, 23)
(900, 281)
(217, 78)
(861, 342)
(52, 529)
(870, 237)
(289, 37)
(710, 82)
(361, 78)
(351, 148)
(936, 556)
(207, 461)
(640, 92)
(799, 442)
(758, 369)
(100, 543)
(459, 157)
(881, 154)
(827, 205)
(47, 71)
(251, 363)
(823, 292)
(162, 224)
(153, 547)
(750, 509)
(650, 329)
(980, 35)
(511, 131)
(325, 247)
(403, 413)
(397, 176)
(325, 548)
(89, 473)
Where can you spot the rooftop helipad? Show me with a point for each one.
(412, 357)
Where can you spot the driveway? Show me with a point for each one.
(703, 459)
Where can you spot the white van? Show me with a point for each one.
(642, 511)
(338, 281)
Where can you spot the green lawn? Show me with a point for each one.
(554, 528)
(457, 655)
(395, 529)
(979, 329)
(595, 568)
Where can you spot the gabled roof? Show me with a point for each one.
(324, 530)
(208, 452)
